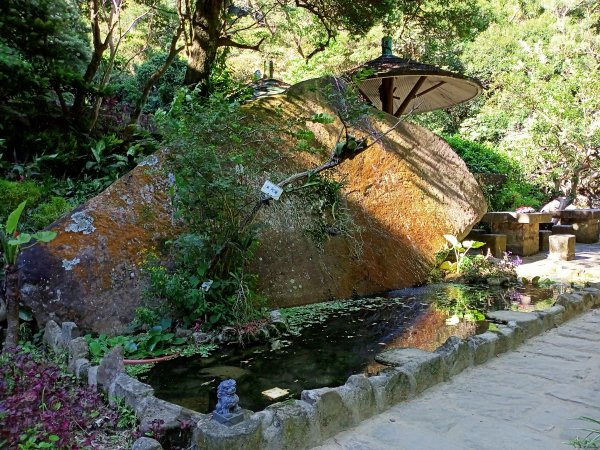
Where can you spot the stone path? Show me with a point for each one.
(585, 266)
(523, 400)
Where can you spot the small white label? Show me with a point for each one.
(272, 190)
(206, 285)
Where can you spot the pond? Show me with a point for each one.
(331, 341)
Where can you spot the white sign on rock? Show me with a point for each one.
(272, 190)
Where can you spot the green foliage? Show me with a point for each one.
(507, 192)
(479, 269)
(460, 250)
(212, 195)
(128, 87)
(43, 53)
(592, 439)
(127, 418)
(153, 343)
(13, 193)
(12, 241)
(538, 61)
(47, 212)
(460, 302)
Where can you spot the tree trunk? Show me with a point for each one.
(141, 102)
(12, 296)
(207, 24)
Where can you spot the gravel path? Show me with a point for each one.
(523, 400)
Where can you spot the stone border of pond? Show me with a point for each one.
(320, 413)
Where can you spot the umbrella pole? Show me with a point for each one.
(412, 94)
(386, 95)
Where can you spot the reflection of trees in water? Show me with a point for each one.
(430, 331)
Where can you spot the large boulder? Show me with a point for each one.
(401, 197)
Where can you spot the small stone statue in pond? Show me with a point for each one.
(228, 412)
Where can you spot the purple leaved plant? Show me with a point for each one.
(39, 403)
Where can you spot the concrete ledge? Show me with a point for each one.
(426, 368)
(483, 346)
(457, 355)
(289, 425)
(392, 386)
(529, 323)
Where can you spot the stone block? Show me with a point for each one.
(519, 335)
(530, 323)
(562, 247)
(289, 425)
(92, 376)
(151, 408)
(426, 368)
(495, 243)
(475, 234)
(392, 386)
(81, 368)
(544, 240)
(483, 346)
(506, 336)
(146, 443)
(595, 293)
(129, 389)
(557, 312)
(574, 304)
(53, 336)
(585, 231)
(69, 331)
(562, 229)
(210, 434)
(521, 238)
(546, 318)
(332, 414)
(358, 396)
(456, 355)
(78, 349)
(110, 366)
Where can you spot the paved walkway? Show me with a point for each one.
(585, 266)
(523, 400)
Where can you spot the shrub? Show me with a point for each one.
(501, 195)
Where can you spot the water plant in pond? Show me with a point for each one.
(153, 343)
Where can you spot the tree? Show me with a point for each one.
(540, 63)
(43, 51)
(219, 23)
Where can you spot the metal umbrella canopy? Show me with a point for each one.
(401, 86)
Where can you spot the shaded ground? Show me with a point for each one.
(526, 399)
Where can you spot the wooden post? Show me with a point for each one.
(386, 95)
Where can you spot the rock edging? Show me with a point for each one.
(321, 413)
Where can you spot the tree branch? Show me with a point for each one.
(226, 41)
